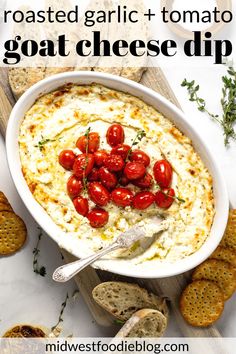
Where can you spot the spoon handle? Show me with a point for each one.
(68, 271)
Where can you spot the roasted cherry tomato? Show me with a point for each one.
(98, 193)
(81, 205)
(140, 156)
(74, 186)
(107, 178)
(163, 173)
(122, 197)
(122, 150)
(124, 181)
(98, 217)
(115, 135)
(143, 200)
(114, 163)
(83, 165)
(145, 182)
(134, 170)
(93, 142)
(94, 175)
(100, 156)
(165, 198)
(67, 159)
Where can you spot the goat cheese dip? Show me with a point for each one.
(54, 123)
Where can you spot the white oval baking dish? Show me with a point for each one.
(144, 270)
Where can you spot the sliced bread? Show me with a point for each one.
(21, 79)
(123, 299)
(145, 323)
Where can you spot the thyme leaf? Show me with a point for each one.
(43, 142)
(140, 135)
(228, 103)
(119, 322)
(41, 270)
(60, 319)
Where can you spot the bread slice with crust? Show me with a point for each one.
(122, 299)
(145, 323)
(21, 79)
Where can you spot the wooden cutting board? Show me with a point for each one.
(88, 279)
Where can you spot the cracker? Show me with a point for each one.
(12, 232)
(201, 303)
(24, 331)
(226, 254)
(5, 206)
(229, 238)
(220, 272)
(3, 198)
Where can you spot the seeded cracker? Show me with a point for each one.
(5, 207)
(226, 254)
(3, 198)
(24, 331)
(4, 204)
(220, 272)
(229, 239)
(12, 232)
(201, 303)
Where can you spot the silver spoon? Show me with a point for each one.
(124, 240)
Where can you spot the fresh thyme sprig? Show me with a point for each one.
(86, 134)
(43, 142)
(41, 270)
(228, 103)
(168, 195)
(140, 135)
(63, 306)
(193, 97)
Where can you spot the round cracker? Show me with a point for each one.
(220, 272)
(201, 303)
(5, 206)
(226, 254)
(12, 232)
(3, 198)
(229, 238)
(24, 331)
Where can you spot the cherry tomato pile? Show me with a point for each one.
(106, 174)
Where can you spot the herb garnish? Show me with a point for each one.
(119, 322)
(43, 142)
(86, 134)
(193, 97)
(63, 306)
(140, 135)
(75, 294)
(41, 270)
(168, 195)
(228, 103)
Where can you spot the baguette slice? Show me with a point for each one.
(123, 299)
(20, 79)
(145, 323)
